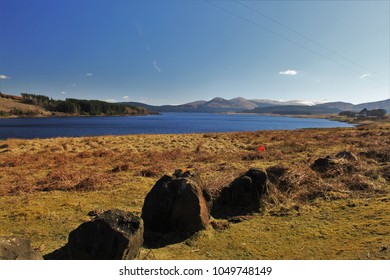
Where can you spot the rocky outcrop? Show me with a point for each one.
(380, 155)
(323, 164)
(16, 248)
(177, 203)
(276, 173)
(344, 162)
(111, 235)
(347, 155)
(242, 196)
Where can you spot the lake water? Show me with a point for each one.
(166, 123)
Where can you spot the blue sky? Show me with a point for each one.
(173, 52)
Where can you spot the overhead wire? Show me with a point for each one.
(285, 38)
(309, 39)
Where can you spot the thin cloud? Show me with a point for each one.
(125, 97)
(289, 72)
(365, 76)
(149, 49)
(147, 46)
(88, 74)
(155, 65)
(63, 92)
(139, 28)
(3, 77)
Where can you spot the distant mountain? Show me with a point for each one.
(336, 106)
(195, 104)
(325, 108)
(215, 105)
(385, 104)
(219, 104)
(241, 102)
(264, 106)
(270, 102)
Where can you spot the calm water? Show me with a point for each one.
(156, 124)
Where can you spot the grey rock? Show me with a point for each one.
(111, 235)
(242, 196)
(17, 248)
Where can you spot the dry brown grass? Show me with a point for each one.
(71, 176)
(6, 105)
(70, 163)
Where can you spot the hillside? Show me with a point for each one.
(325, 108)
(11, 106)
(265, 106)
(31, 105)
(216, 105)
(270, 102)
(385, 104)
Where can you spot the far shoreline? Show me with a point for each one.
(331, 117)
(60, 115)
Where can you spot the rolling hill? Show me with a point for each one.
(265, 106)
(325, 108)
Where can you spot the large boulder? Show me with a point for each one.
(242, 196)
(177, 203)
(111, 235)
(16, 248)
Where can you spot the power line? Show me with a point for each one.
(309, 39)
(285, 38)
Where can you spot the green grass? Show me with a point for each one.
(48, 217)
(322, 230)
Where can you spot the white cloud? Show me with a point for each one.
(125, 97)
(63, 92)
(156, 66)
(289, 72)
(88, 74)
(4, 77)
(365, 76)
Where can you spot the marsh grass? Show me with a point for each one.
(47, 186)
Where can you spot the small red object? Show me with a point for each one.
(261, 149)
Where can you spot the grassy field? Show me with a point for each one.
(47, 186)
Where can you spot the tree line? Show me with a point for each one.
(81, 107)
(365, 114)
